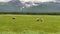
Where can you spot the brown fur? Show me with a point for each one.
(39, 19)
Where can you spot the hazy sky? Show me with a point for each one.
(38, 0)
(4, 0)
(28, 0)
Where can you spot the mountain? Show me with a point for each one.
(35, 7)
(15, 3)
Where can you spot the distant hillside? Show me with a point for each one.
(17, 6)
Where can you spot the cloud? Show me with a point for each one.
(4, 0)
(29, 0)
(37, 0)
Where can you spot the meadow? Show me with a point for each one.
(27, 24)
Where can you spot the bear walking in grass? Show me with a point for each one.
(13, 17)
(39, 19)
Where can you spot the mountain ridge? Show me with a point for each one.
(17, 6)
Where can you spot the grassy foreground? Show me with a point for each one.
(27, 24)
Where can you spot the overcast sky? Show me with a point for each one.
(28, 0)
(4, 0)
(38, 0)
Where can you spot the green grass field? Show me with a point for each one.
(27, 24)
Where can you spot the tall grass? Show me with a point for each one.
(27, 24)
